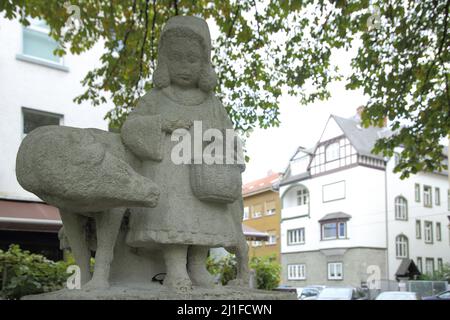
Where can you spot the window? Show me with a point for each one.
(418, 229)
(419, 264)
(296, 272)
(427, 197)
(332, 152)
(256, 243)
(335, 271)
(38, 44)
(296, 236)
(437, 196)
(401, 208)
(429, 266)
(272, 238)
(257, 211)
(417, 192)
(440, 264)
(333, 155)
(270, 208)
(246, 213)
(401, 246)
(334, 230)
(438, 231)
(302, 197)
(448, 200)
(33, 119)
(428, 232)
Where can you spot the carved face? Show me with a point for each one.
(184, 58)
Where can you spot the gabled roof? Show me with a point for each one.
(362, 139)
(407, 268)
(260, 185)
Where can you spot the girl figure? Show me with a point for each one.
(181, 225)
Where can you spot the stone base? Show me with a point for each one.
(197, 293)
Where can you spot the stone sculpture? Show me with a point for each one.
(175, 212)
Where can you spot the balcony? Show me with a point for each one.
(295, 212)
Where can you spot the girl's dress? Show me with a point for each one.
(179, 217)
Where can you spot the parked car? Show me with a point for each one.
(440, 296)
(398, 295)
(310, 292)
(283, 288)
(342, 293)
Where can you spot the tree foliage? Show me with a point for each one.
(261, 47)
(267, 270)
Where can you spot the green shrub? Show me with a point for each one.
(24, 273)
(441, 275)
(225, 268)
(267, 272)
(266, 268)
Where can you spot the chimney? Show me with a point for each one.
(359, 111)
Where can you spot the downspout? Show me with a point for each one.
(386, 217)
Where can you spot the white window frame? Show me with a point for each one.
(39, 112)
(448, 200)
(302, 197)
(296, 236)
(44, 31)
(332, 152)
(428, 231)
(333, 271)
(337, 225)
(427, 269)
(401, 246)
(257, 214)
(417, 192)
(427, 196)
(438, 231)
(297, 271)
(401, 208)
(437, 196)
(272, 211)
(418, 229)
(420, 264)
(246, 215)
(440, 264)
(272, 239)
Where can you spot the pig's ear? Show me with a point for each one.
(92, 154)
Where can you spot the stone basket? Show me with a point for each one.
(216, 182)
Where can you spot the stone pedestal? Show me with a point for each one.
(158, 292)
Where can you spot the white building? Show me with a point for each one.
(36, 88)
(346, 216)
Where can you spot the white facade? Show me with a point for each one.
(31, 83)
(355, 192)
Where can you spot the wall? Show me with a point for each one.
(264, 223)
(417, 210)
(25, 84)
(364, 201)
(355, 264)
